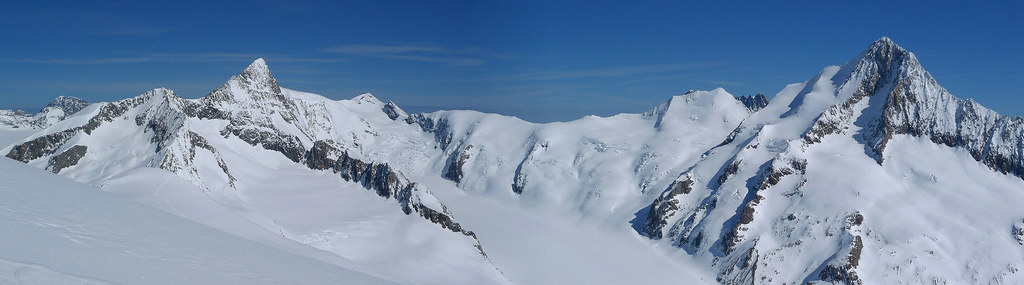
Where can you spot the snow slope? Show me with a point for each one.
(57, 231)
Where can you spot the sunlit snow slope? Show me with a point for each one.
(57, 231)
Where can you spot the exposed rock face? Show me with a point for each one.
(754, 102)
(1018, 232)
(843, 271)
(441, 129)
(288, 145)
(321, 156)
(387, 183)
(67, 158)
(905, 99)
(666, 205)
(455, 164)
(69, 105)
(40, 146)
(393, 111)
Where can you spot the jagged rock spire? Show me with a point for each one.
(256, 82)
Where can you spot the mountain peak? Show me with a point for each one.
(69, 105)
(256, 83)
(259, 72)
(886, 55)
(257, 76)
(884, 41)
(367, 98)
(257, 66)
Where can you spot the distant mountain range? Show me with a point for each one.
(868, 173)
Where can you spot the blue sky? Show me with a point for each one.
(538, 60)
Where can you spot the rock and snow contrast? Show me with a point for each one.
(58, 110)
(869, 172)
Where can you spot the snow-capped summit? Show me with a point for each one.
(890, 93)
(848, 178)
(57, 110)
(695, 106)
(68, 104)
(254, 86)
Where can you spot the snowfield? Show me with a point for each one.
(868, 173)
(57, 231)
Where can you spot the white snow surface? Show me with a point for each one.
(57, 231)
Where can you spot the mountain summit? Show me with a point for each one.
(57, 110)
(805, 189)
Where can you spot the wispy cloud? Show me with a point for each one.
(723, 82)
(973, 73)
(376, 50)
(83, 61)
(131, 31)
(610, 72)
(177, 57)
(424, 53)
(659, 78)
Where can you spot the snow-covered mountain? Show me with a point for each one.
(869, 172)
(246, 148)
(58, 109)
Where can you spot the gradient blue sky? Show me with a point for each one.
(538, 60)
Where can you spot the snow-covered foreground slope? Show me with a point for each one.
(861, 174)
(57, 231)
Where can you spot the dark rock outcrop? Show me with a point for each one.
(665, 206)
(392, 110)
(388, 183)
(441, 129)
(289, 145)
(754, 102)
(1018, 232)
(321, 156)
(67, 158)
(845, 272)
(69, 105)
(458, 159)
